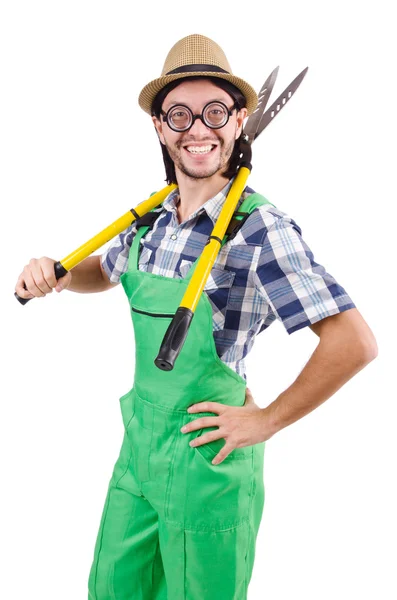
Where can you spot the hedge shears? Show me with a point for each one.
(177, 331)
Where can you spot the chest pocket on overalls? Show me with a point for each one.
(218, 287)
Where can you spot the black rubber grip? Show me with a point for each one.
(246, 157)
(59, 270)
(174, 339)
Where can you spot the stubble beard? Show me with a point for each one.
(202, 172)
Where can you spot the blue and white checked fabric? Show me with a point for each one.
(266, 272)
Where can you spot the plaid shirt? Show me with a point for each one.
(266, 272)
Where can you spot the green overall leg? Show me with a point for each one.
(127, 562)
(174, 526)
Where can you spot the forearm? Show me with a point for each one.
(87, 277)
(331, 365)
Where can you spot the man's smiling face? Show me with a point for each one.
(201, 151)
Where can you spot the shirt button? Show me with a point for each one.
(173, 237)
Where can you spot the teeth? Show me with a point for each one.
(199, 149)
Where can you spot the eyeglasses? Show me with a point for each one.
(214, 115)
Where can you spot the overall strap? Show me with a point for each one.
(143, 224)
(133, 256)
(241, 215)
(237, 221)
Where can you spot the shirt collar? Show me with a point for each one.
(212, 207)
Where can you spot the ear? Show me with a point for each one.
(241, 115)
(159, 128)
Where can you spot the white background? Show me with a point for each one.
(76, 153)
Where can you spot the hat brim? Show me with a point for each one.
(150, 91)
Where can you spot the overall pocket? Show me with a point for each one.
(121, 475)
(218, 497)
(211, 449)
(139, 436)
(127, 407)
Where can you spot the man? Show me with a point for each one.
(185, 500)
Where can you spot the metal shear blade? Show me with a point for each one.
(260, 119)
(253, 121)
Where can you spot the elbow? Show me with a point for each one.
(351, 336)
(368, 348)
(373, 352)
(364, 342)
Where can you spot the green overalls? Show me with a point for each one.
(174, 526)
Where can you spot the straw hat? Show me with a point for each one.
(195, 55)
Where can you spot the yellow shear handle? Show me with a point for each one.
(211, 250)
(71, 260)
(177, 331)
(114, 229)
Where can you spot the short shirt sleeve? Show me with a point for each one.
(115, 258)
(298, 289)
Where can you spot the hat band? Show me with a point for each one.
(193, 68)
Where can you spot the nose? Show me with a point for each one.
(198, 126)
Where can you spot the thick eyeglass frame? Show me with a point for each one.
(193, 117)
